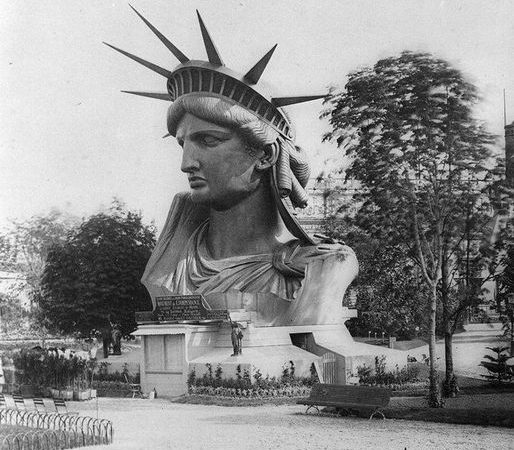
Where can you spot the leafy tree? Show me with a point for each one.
(11, 315)
(24, 247)
(389, 292)
(96, 273)
(505, 279)
(421, 157)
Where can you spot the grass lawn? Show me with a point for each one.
(472, 416)
(478, 403)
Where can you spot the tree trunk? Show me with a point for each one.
(434, 394)
(450, 387)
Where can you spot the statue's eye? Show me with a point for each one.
(209, 140)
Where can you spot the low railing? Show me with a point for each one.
(53, 430)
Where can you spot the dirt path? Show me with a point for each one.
(159, 424)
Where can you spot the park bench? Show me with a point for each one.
(19, 403)
(56, 405)
(368, 399)
(61, 407)
(39, 405)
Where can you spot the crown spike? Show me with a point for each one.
(284, 101)
(212, 52)
(253, 75)
(157, 95)
(155, 68)
(178, 54)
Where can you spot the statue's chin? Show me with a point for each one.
(200, 198)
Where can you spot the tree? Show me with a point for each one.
(407, 124)
(389, 292)
(96, 273)
(11, 315)
(24, 247)
(505, 280)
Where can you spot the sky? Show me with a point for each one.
(71, 140)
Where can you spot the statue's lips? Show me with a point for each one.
(196, 182)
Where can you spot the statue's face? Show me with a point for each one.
(221, 172)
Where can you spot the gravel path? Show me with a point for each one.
(159, 424)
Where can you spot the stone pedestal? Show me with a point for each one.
(172, 351)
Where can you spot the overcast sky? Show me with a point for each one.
(70, 139)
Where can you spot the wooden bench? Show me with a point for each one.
(61, 407)
(19, 403)
(368, 399)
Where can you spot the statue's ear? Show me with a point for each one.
(268, 158)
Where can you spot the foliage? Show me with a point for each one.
(422, 160)
(53, 368)
(12, 315)
(104, 375)
(379, 376)
(96, 273)
(390, 294)
(499, 371)
(25, 246)
(287, 385)
(505, 276)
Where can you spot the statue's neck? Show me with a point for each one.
(248, 228)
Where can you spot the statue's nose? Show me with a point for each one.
(189, 161)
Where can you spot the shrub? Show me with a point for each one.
(497, 367)
(103, 374)
(53, 368)
(379, 376)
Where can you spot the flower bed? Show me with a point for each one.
(111, 388)
(252, 392)
(212, 383)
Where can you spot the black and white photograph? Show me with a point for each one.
(236, 224)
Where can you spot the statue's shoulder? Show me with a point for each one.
(181, 201)
(291, 258)
(184, 217)
(184, 213)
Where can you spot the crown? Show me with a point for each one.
(213, 78)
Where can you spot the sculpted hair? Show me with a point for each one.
(292, 172)
(224, 113)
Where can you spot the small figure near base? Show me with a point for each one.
(237, 338)
(115, 337)
(105, 335)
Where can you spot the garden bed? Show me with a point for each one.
(111, 388)
(197, 399)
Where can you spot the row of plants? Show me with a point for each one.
(111, 388)
(398, 379)
(113, 383)
(288, 384)
(64, 373)
(104, 375)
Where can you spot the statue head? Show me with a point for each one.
(210, 91)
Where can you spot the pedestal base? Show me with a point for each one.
(172, 351)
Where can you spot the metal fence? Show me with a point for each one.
(329, 368)
(53, 431)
